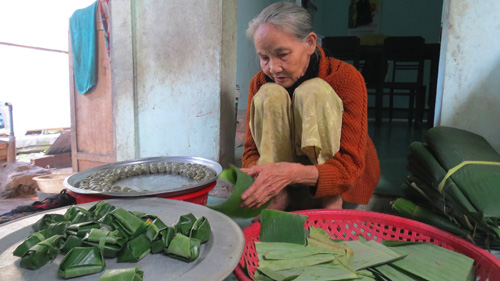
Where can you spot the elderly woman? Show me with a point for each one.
(307, 143)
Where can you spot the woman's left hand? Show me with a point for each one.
(271, 178)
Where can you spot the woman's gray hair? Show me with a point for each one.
(285, 16)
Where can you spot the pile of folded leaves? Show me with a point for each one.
(454, 184)
(87, 237)
(287, 251)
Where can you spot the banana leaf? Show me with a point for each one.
(152, 231)
(42, 253)
(81, 229)
(81, 261)
(183, 248)
(165, 236)
(123, 274)
(101, 208)
(432, 262)
(135, 249)
(327, 272)
(184, 224)
(478, 183)
(128, 224)
(393, 273)
(47, 219)
(58, 228)
(241, 182)
(71, 242)
(278, 226)
(72, 212)
(201, 230)
(83, 215)
(31, 241)
(112, 244)
(371, 253)
(408, 209)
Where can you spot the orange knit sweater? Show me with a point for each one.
(354, 171)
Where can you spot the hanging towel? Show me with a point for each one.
(83, 46)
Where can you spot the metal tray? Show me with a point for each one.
(218, 257)
(148, 185)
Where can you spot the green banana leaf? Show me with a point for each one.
(158, 245)
(101, 208)
(83, 215)
(71, 242)
(279, 226)
(129, 225)
(183, 248)
(201, 230)
(431, 262)
(81, 229)
(81, 261)
(135, 249)
(241, 182)
(478, 183)
(73, 211)
(47, 219)
(31, 241)
(327, 272)
(42, 253)
(123, 274)
(112, 243)
(152, 231)
(57, 228)
(393, 273)
(184, 224)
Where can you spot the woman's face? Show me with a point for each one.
(283, 57)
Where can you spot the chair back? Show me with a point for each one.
(344, 48)
(405, 53)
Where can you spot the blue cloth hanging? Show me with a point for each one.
(83, 46)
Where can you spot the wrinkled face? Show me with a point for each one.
(283, 57)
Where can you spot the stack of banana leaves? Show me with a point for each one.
(287, 251)
(87, 237)
(454, 184)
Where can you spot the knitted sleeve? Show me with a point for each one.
(339, 174)
(250, 153)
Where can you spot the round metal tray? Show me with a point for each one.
(148, 185)
(218, 257)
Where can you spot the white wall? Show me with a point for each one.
(173, 74)
(470, 77)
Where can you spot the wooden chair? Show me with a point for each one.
(405, 57)
(344, 48)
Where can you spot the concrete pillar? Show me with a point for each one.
(173, 78)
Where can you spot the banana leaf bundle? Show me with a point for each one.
(42, 253)
(122, 274)
(112, 242)
(81, 261)
(71, 242)
(135, 249)
(47, 219)
(185, 223)
(183, 248)
(101, 208)
(455, 175)
(81, 229)
(200, 230)
(31, 241)
(57, 228)
(163, 240)
(241, 181)
(128, 224)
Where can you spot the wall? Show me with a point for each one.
(470, 75)
(172, 76)
(399, 18)
(247, 61)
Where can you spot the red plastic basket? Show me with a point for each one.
(348, 224)
(198, 197)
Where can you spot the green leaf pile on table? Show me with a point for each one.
(87, 237)
(454, 185)
(314, 256)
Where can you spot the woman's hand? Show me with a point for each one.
(271, 178)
